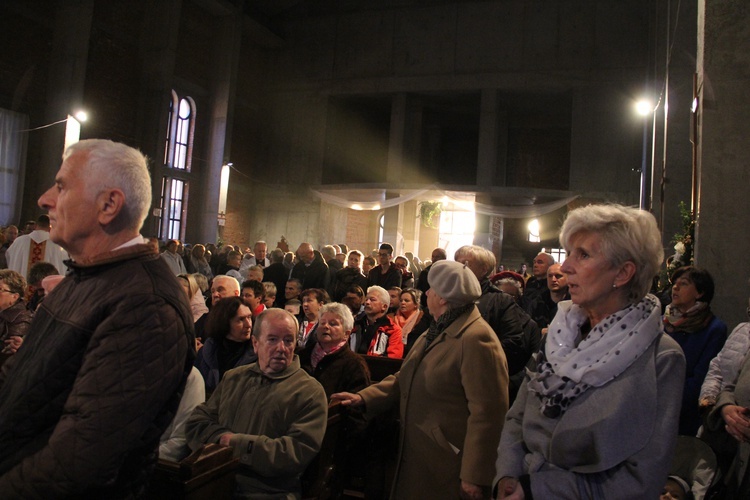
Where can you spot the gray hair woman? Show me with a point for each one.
(329, 359)
(574, 431)
(453, 394)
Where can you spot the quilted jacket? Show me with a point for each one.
(97, 380)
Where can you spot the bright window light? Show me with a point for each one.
(534, 231)
(456, 230)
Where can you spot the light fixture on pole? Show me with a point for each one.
(645, 108)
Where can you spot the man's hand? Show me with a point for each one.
(471, 491)
(12, 344)
(509, 488)
(738, 424)
(348, 399)
(226, 439)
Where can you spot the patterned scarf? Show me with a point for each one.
(319, 353)
(567, 368)
(445, 319)
(694, 320)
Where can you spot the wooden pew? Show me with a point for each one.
(207, 474)
(320, 480)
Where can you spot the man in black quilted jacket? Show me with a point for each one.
(101, 371)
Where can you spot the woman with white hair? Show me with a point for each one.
(452, 394)
(329, 359)
(597, 416)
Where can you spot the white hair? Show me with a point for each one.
(627, 234)
(340, 310)
(382, 293)
(114, 165)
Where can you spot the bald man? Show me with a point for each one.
(311, 269)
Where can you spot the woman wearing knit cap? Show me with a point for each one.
(453, 395)
(597, 416)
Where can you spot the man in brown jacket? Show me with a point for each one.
(101, 371)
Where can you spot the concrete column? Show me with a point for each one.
(723, 176)
(488, 135)
(65, 84)
(396, 139)
(158, 47)
(226, 57)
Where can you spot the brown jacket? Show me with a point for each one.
(453, 399)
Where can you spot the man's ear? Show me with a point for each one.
(110, 203)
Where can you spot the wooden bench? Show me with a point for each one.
(381, 367)
(207, 474)
(320, 480)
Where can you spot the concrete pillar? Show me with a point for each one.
(488, 136)
(394, 215)
(158, 48)
(65, 84)
(723, 175)
(226, 57)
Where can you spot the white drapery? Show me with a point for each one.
(433, 193)
(12, 159)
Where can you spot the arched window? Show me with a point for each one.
(178, 156)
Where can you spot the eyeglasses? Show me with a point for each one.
(6, 290)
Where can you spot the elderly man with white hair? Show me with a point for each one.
(375, 334)
(102, 368)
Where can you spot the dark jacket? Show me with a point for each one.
(97, 381)
(341, 371)
(543, 308)
(346, 278)
(392, 277)
(277, 274)
(208, 364)
(313, 276)
(700, 348)
(518, 333)
(14, 321)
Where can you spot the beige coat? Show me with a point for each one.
(453, 398)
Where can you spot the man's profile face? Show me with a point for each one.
(395, 298)
(234, 261)
(374, 306)
(11, 233)
(260, 251)
(541, 264)
(353, 302)
(275, 344)
(291, 290)
(248, 295)
(72, 209)
(305, 253)
(222, 288)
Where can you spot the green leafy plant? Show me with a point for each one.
(683, 245)
(428, 210)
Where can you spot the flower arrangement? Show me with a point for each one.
(683, 245)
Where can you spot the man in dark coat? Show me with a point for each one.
(311, 269)
(385, 275)
(278, 274)
(99, 376)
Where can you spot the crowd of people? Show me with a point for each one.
(573, 381)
